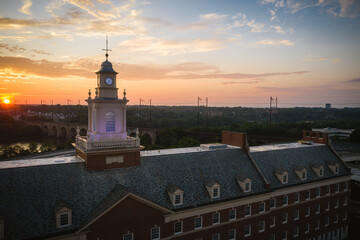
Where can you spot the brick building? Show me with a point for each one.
(113, 190)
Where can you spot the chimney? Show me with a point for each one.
(235, 139)
(316, 137)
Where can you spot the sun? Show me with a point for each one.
(6, 101)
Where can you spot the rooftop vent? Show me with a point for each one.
(213, 146)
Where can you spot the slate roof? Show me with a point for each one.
(36, 190)
(270, 161)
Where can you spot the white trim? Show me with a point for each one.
(201, 222)
(263, 229)
(151, 237)
(249, 234)
(218, 218)
(181, 222)
(245, 211)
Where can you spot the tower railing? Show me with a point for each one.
(83, 143)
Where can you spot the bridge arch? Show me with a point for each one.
(83, 132)
(45, 130)
(53, 131)
(146, 139)
(62, 132)
(72, 132)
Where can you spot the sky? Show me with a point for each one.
(233, 52)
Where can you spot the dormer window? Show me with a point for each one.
(282, 175)
(175, 194)
(334, 167)
(213, 188)
(301, 172)
(318, 169)
(244, 182)
(63, 215)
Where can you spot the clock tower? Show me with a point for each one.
(107, 145)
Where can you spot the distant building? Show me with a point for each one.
(328, 105)
(334, 132)
(112, 190)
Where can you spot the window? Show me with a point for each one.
(216, 236)
(261, 226)
(296, 231)
(303, 175)
(94, 121)
(64, 220)
(296, 215)
(247, 187)
(326, 222)
(336, 218)
(177, 199)
(272, 203)
(336, 187)
(317, 211)
(317, 224)
(345, 201)
(307, 212)
(321, 172)
(155, 233)
(232, 214)
(318, 193)
(306, 228)
(345, 186)
(285, 200)
(216, 218)
(272, 237)
(247, 211)
(284, 235)
(307, 195)
(284, 217)
(247, 230)
(318, 169)
(345, 216)
(261, 207)
(297, 197)
(232, 234)
(285, 179)
(336, 203)
(272, 221)
(178, 227)
(128, 236)
(327, 190)
(327, 206)
(110, 122)
(216, 192)
(198, 222)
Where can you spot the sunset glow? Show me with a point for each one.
(6, 101)
(236, 53)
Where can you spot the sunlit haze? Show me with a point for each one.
(235, 53)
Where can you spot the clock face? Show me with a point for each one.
(108, 81)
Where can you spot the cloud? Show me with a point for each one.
(275, 42)
(11, 48)
(231, 83)
(241, 20)
(206, 21)
(171, 47)
(310, 58)
(278, 29)
(21, 68)
(25, 9)
(355, 80)
(273, 16)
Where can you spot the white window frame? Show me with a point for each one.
(317, 209)
(336, 218)
(271, 207)
(213, 218)
(180, 195)
(63, 211)
(284, 238)
(274, 221)
(232, 238)
(285, 178)
(318, 192)
(328, 190)
(263, 226)
(248, 234)
(307, 195)
(346, 186)
(247, 189)
(327, 206)
(128, 234)
(337, 188)
(345, 216)
(287, 200)
(336, 204)
(298, 197)
(249, 206)
(307, 212)
(317, 225)
(215, 236)
(326, 222)
(286, 218)
(151, 233)
(308, 228)
(262, 204)
(213, 192)
(296, 217)
(232, 218)
(201, 222)
(296, 234)
(181, 224)
(345, 201)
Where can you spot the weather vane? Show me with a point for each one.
(107, 49)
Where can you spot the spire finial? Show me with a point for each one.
(107, 48)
